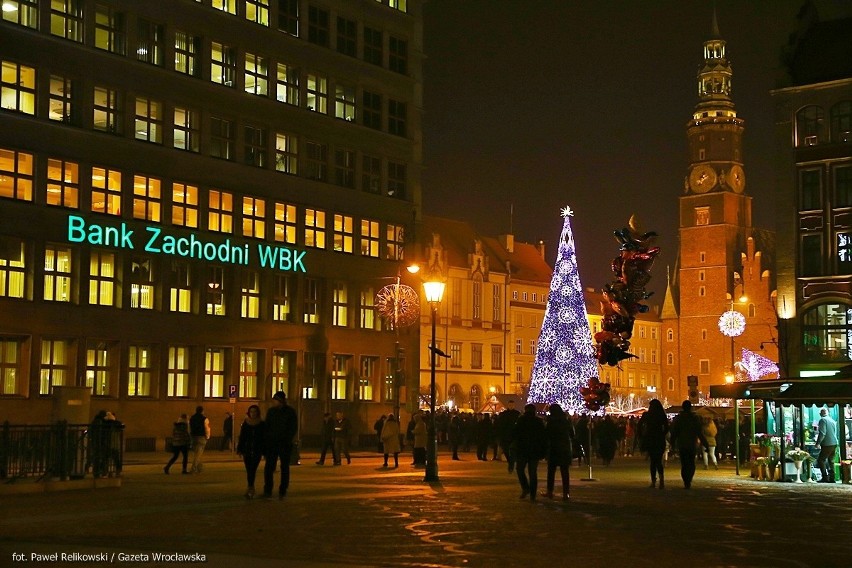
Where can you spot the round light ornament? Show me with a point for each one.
(732, 323)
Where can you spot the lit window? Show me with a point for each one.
(16, 175)
(146, 198)
(229, 6)
(311, 303)
(286, 154)
(98, 369)
(223, 64)
(66, 19)
(187, 48)
(317, 93)
(254, 217)
(314, 228)
(344, 102)
(220, 216)
(368, 309)
(184, 205)
(150, 43)
(110, 34)
(285, 223)
(21, 12)
(249, 373)
(17, 87)
(13, 273)
(178, 372)
(340, 305)
(215, 291)
(57, 274)
(343, 233)
(62, 100)
(139, 370)
(257, 11)
(180, 290)
(340, 376)
(256, 75)
(106, 111)
(142, 283)
(149, 120)
(185, 132)
(54, 365)
(369, 238)
(395, 242)
(287, 81)
(214, 373)
(250, 295)
(282, 363)
(102, 280)
(367, 377)
(282, 300)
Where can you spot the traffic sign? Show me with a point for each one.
(232, 393)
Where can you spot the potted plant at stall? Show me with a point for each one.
(798, 456)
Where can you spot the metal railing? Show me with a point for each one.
(61, 450)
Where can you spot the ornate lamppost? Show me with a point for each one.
(434, 290)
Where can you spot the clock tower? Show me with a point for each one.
(720, 254)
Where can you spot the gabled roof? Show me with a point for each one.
(458, 237)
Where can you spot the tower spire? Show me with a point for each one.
(714, 27)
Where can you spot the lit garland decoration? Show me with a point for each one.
(398, 304)
(565, 357)
(757, 366)
(732, 323)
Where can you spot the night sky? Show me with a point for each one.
(585, 103)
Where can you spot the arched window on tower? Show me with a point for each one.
(810, 126)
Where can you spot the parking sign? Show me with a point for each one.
(232, 393)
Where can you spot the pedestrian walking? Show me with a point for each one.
(530, 448)
(377, 427)
(710, 430)
(227, 432)
(98, 445)
(281, 428)
(560, 436)
(326, 437)
(390, 440)
(250, 445)
(827, 441)
(199, 429)
(420, 436)
(180, 443)
(342, 428)
(653, 428)
(686, 431)
(505, 426)
(454, 434)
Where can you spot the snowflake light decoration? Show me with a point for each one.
(732, 323)
(398, 304)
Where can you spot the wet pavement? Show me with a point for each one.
(364, 515)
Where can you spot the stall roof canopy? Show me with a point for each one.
(812, 390)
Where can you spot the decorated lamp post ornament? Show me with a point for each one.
(623, 296)
(565, 357)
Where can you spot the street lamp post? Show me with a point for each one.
(434, 292)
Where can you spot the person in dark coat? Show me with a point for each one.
(454, 434)
(560, 436)
(281, 429)
(98, 444)
(377, 427)
(653, 427)
(686, 431)
(483, 433)
(505, 426)
(607, 439)
(530, 447)
(250, 445)
(326, 437)
(227, 432)
(342, 429)
(180, 443)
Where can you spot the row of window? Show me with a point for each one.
(151, 371)
(111, 279)
(810, 128)
(257, 145)
(63, 183)
(70, 19)
(821, 187)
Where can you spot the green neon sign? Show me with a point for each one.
(156, 241)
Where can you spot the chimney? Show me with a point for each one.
(508, 242)
(540, 247)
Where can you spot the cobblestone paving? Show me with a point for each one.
(362, 515)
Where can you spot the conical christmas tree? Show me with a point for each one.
(565, 358)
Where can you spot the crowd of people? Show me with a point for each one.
(522, 440)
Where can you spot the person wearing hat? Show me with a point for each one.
(281, 429)
(686, 431)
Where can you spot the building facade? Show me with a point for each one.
(813, 141)
(723, 262)
(199, 202)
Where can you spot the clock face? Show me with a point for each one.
(702, 178)
(736, 178)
